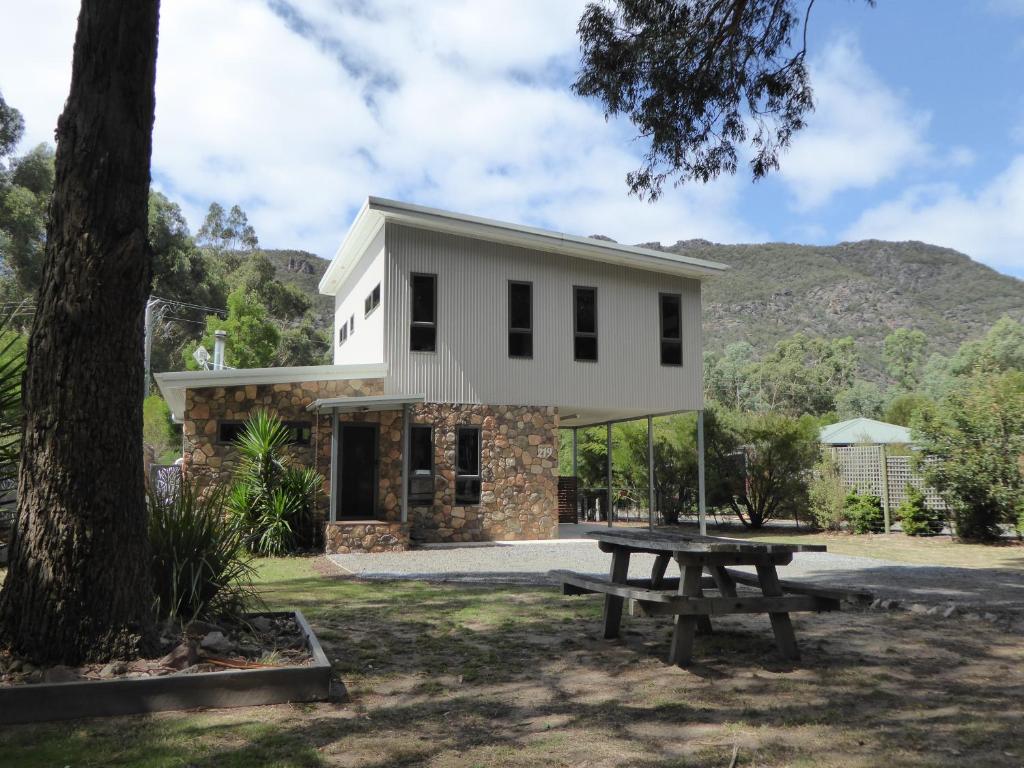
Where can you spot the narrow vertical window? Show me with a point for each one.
(467, 466)
(342, 334)
(671, 324)
(372, 301)
(421, 462)
(352, 324)
(584, 323)
(520, 319)
(423, 329)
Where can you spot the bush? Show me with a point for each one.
(271, 504)
(864, 511)
(915, 518)
(827, 495)
(199, 564)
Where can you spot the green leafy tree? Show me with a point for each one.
(727, 377)
(802, 374)
(902, 407)
(258, 276)
(252, 340)
(973, 440)
(1000, 349)
(864, 511)
(762, 466)
(304, 344)
(24, 206)
(699, 79)
(915, 517)
(904, 353)
(12, 127)
(862, 398)
(229, 231)
(158, 430)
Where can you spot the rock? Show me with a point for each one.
(182, 656)
(876, 604)
(261, 623)
(890, 605)
(971, 617)
(919, 608)
(113, 669)
(934, 610)
(201, 628)
(60, 674)
(216, 642)
(950, 610)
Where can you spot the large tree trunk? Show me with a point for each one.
(78, 584)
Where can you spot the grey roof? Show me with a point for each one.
(370, 403)
(862, 430)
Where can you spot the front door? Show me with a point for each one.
(358, 472)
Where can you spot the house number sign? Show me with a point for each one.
(545, 452)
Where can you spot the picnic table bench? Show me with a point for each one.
(684, 598)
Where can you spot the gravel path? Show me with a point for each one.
(529, 562)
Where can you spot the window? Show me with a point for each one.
(520, 319)
(372, 301)
(229, 431)
(423, 330)
(301, 432)
(352, 324)
(343, 334)
(421, 463)
(467, 466)
(671, 328)
(584, 323)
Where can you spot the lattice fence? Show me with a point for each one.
(867, 469)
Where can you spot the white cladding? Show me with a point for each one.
(364, 344)
(471, 364)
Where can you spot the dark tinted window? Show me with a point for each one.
(421, 448)
(670, 305)
(467, 466)
(301, 431)
(229, 431)
(584, 323)
(520, 319)
(423, 330)
(372, 301)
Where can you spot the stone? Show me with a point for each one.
(60, 674)
(919, 608)
(260, 623)
(216, 642)
(950, 610)
(113, 669)
(990, 617)
(181, 656)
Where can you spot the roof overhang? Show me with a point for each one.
(173, 385)
(376, 211)
(364, 404)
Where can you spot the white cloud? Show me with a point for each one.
(299, 110)
(861, 133)
(988, 225)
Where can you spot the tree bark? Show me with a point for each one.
(78, 584)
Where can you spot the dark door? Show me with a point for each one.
(358, 472)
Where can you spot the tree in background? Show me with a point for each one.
(1000, 349)
(862, 398)
(227, 232)
(803, 374)
(303, 344)
(727, 376)
(763, 463)
(24, 203)
(252, 341)
(904, 353)
(700, 79)
(258, 277)
(12, 127)
(902, 407)
(78, 588)
(158, 430)
(974, 438)
(826, 495)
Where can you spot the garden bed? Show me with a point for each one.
(271, 658)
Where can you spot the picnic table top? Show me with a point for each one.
(668, 541)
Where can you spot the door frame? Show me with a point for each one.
(339, 458)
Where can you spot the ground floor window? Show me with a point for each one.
(421, 463)
(467, 466)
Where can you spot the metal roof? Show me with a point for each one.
(369, 403)
(862, 430)
(377, 210)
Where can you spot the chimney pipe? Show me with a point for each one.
(219, 340)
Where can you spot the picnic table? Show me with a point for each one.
(684, 598)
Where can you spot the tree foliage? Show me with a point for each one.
(252, 340)
(24, 210)
(228, 232)
(904, 353)
(699, 79)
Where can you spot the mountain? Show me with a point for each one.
(862, 289)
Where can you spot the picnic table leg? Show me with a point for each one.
(613, 604)
(658, 572)
(723, 580)
(681, 650)
(785, 639)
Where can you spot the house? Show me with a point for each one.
(864, 431)
(462, 346)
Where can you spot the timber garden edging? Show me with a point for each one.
(41, 702)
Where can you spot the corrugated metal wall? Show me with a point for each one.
(471, 364)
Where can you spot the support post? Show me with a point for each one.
(151, 305)
(611, 504)
(650, 473)
(701, 506)
(405, 463)
(335, 458)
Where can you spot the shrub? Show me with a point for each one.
(915, 518)
(271, 504)
(199, 564)
(827, 495)
(864, 511)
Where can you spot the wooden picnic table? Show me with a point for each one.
(684, 598)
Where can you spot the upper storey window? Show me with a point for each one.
(372, 301)
(584, 323)
(520, 319)
(423, 328)
(670, 309)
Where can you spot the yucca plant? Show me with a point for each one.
(271, 504)
(200, 566)
(12, 366)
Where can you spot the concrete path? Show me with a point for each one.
(529, 562)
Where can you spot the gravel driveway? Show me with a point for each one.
(529, 562)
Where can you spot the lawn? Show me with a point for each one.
(453, 676)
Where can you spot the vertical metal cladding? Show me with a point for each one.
(471, 364)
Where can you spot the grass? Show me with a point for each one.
(453, 676)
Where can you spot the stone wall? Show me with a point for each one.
(343, 538)
(210, 463)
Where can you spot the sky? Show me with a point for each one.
(298, 109)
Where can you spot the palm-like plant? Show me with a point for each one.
(272, 501)
(12, 366)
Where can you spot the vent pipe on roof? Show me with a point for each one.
(220, 339)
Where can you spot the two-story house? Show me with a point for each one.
(461, 346)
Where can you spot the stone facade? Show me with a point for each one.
(518, 461)
(343, 538)
(209, 462)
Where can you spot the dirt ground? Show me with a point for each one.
(460, 676)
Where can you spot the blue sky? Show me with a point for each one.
(298, 109)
